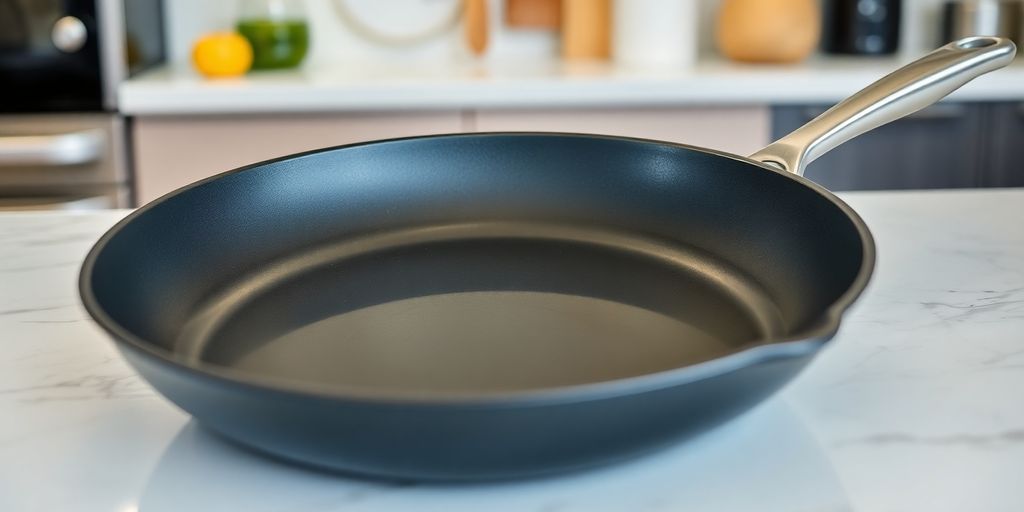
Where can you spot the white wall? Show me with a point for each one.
(334, 42)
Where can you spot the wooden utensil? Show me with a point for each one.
(475, 19)
(586, 29)
(537, 14)
(772, 31)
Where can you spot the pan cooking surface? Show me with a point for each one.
(481, 341)
(480, 308)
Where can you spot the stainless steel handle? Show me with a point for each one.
(941, 112)
(46, 150)
(905, 91)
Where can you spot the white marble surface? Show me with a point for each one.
(537, 84)
(914, 407)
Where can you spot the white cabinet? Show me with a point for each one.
(173, 151)
(741, 130)
(170, 152)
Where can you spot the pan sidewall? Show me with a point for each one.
(462, 442)
(557, 430)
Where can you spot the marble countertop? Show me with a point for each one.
(914, 407)
(323, 87)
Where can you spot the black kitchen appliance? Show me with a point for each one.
(62, 142)
(861, 27)
(68, 55)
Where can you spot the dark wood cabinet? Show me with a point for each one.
(942, 146)
(1005, 159)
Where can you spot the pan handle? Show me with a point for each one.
(905, 91)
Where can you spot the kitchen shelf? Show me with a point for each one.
(334, 87)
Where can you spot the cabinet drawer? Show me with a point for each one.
(174, 151)
(61, 151)
(1006, 156)
(939, 147)
(741, 130)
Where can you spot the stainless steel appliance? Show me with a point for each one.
(62, 142)
(964, 18)
(861, 27)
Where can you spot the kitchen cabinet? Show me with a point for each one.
(942, 146)
(949, 145)
(170, 152)
(1005, 160)
(741, 130)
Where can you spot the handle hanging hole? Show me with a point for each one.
(976, 42)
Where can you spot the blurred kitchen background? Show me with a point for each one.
(113, 103)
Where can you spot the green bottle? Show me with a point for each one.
(277, 31)
(276, 44)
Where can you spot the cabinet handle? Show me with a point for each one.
(940, 112)
(50, 150)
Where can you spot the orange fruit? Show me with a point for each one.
(222, 54)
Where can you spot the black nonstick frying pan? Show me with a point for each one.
(501, 304)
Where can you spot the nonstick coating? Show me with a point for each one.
(478, 306)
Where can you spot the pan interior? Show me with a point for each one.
(480, 307)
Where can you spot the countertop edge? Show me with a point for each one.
(175, 91)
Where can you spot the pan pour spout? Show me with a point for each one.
(901, 93)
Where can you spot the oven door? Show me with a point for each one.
(49, 56)
(59, 203)
(50, 159)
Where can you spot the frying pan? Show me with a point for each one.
(496, 305)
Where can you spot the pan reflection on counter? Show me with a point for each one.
(767, 461)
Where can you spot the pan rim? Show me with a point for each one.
(804, 343)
